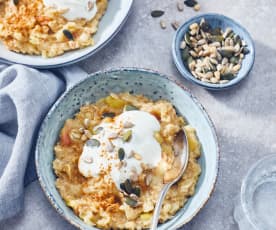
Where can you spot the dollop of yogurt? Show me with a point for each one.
(101, 152)
(75, 9)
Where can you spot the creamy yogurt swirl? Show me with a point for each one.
(76, 9)
(101, 152)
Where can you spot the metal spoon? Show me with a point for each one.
(181, 152)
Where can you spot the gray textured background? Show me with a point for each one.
(245, 116)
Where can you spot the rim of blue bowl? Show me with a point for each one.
(90, 54)
(129, 69)
(187, 74)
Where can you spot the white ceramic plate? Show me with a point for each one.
(114, 18)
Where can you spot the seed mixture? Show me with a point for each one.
(97, 200)
(211, 54)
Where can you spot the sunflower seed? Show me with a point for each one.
(131, 202)
(90, 5)
(88, 160)
(148, 179)
(163, 24)
(128, 124)
(137, 191)
(112, 135)
(137, 156)
(180, 6)
(223, 81)
(15, 2)
(109, 146)
(197, 7)
(182, 45)
(121, 154)
(128, 186)
(86, 122)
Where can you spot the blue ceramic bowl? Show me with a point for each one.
(137, 81)
(215, 20)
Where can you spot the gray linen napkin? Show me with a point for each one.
(25, 97)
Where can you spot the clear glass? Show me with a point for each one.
(255, 207)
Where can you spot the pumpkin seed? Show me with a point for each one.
(227, 76)
(123, 187)
(190, 3)
(121, 154)
(108, 114)
(234, 60)
(128, 186)
(205, 27)
(237, 40)
(68, 34)
(127, 135)
(131, 202)
(157, 13)
(98, 130)
(15, 2)
(93, 143)
(216, 31)
(185, 54)
(130, 108)
(137, 191)
(216, 38)
(231, 35)
(246, 51)
(190, 60)
(187, 39)
(226, 52)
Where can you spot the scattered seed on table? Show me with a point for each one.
(163, 24)
(197, 7)
(180, 6)
(157, 13)
(175, 25)
(190, 3)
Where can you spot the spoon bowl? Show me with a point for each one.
(181, 151)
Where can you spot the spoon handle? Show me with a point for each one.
(158, 206)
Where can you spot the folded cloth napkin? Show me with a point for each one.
(25, 97)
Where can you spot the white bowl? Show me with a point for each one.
(114, 18)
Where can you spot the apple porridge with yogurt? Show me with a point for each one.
(49, 27)
(111, 159)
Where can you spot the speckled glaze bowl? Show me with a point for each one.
(215, 20)
(137, 81)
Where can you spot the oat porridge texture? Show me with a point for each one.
(30, 27)
(97, 200)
